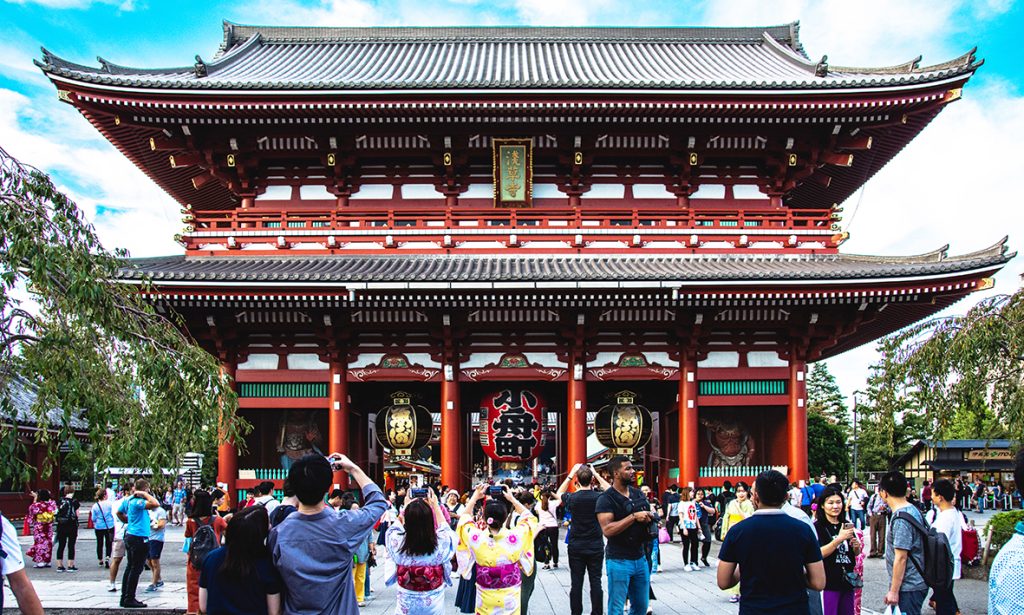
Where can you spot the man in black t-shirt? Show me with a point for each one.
(586, 542)
(625, 517)
(773, 556)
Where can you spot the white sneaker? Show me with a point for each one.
(695, 566)
(688, 568)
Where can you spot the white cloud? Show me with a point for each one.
(563, 12)
(869, 32)
(127, 208)
(957, 183)
(320, 13)
(122, 5)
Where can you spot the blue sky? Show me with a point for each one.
(957, 183)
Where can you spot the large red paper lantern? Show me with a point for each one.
(512, 424)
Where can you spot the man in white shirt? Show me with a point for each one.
(266, 496)
(118, 551)
(795, 497)
(12, 564)
(949, 521)
(857, 499)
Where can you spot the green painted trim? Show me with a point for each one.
(282, 389)
(741, 387)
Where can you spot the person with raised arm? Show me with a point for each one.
(312, 548)
(501, 555)
(586, 543)
(421, 544)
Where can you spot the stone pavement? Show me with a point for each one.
(678, 592)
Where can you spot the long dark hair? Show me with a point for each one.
(819, 514)
(246, 542)
(420, 535)
(202, 504)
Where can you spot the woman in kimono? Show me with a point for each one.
(421, 544)
(502, 556)
(41, 514)
(737, 510)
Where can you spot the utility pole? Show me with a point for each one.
(855, 400)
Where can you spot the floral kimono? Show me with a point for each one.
(735, 512)
(421, 578)
(501, 561)
(41, 517)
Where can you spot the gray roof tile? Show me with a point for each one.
(343, 269)
(278, 58)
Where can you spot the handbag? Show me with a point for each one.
(663, 536)
(185, 546)
(853, 579)
(892, 609)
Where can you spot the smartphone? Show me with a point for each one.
(418, 492)
(847, 526)
(496, 491)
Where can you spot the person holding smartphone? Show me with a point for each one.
(839, 550)
(498, 584)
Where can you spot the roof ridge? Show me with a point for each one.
(235, 34)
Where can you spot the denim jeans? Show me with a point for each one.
(137, 550)
(912, 601)
(858, 515)
(628, 578)
(589, 564)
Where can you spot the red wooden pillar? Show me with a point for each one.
(797, 418)
(227, 452)
(576, 418)
(664, 452)
(689, 462)
(452, 469)
(337, 418)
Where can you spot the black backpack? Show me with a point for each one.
(937, 567)
(203, 541)
(66, 513)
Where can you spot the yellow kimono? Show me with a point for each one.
(497, 593)
(735, 512)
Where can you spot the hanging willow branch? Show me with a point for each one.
(90, 347)
(973, 362)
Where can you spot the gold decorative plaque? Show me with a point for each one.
(513, 172)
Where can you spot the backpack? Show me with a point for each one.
(66, 513)
(937, 567)
(203, 542)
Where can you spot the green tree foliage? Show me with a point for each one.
(827, 448)
(92, 345)
(824, 396)
(890, 421)
(971, 364)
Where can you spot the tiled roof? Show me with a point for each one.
(23, 399)
(401, 58)
(340, 270)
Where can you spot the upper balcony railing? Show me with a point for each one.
(551, 229)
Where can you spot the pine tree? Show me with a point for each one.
(824, 396)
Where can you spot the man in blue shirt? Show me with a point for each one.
(774, 557)
(134, 512)
(313, 548)
(178, 504)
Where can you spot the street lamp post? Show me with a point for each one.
(855, 400)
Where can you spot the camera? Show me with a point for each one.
(496, 491)
(418, 492)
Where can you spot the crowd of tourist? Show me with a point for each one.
(785, 547)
